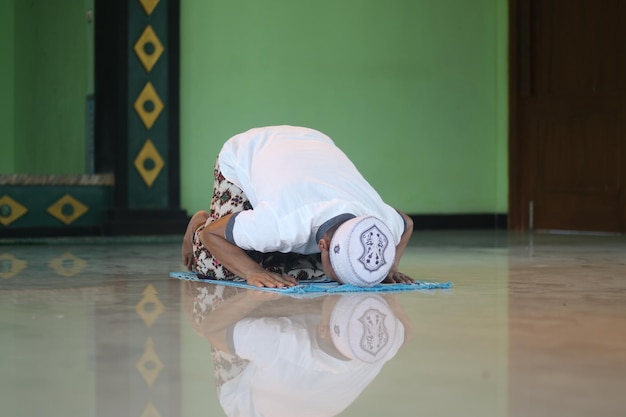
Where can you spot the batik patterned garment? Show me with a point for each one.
(228, 199)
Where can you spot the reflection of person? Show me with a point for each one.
(278, 356)
(291, 190)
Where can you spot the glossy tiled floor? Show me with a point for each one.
(534, 326)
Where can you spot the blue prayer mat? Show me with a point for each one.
(320, 286)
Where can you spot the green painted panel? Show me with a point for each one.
(414, 91)
(37, 199)
(140, 194)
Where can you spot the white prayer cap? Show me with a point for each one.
(363, 327)
(362, 251)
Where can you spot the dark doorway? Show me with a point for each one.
(567, 107)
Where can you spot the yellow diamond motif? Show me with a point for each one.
(67, 265)
(150, 411)
(10, 266)
(148, 105)
(149, 365)
(10, 210)
(149, 307)
(149, 163)
(67, 209)
(148, 48)
(149, 5)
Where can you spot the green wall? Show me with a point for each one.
(414, 91)
(48, 68)
(6, 87)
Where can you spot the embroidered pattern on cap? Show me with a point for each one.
(374, 244)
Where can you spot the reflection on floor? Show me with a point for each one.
(534, 326)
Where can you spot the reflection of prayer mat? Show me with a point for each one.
(319, 286)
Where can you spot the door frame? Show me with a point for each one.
(519, 193)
